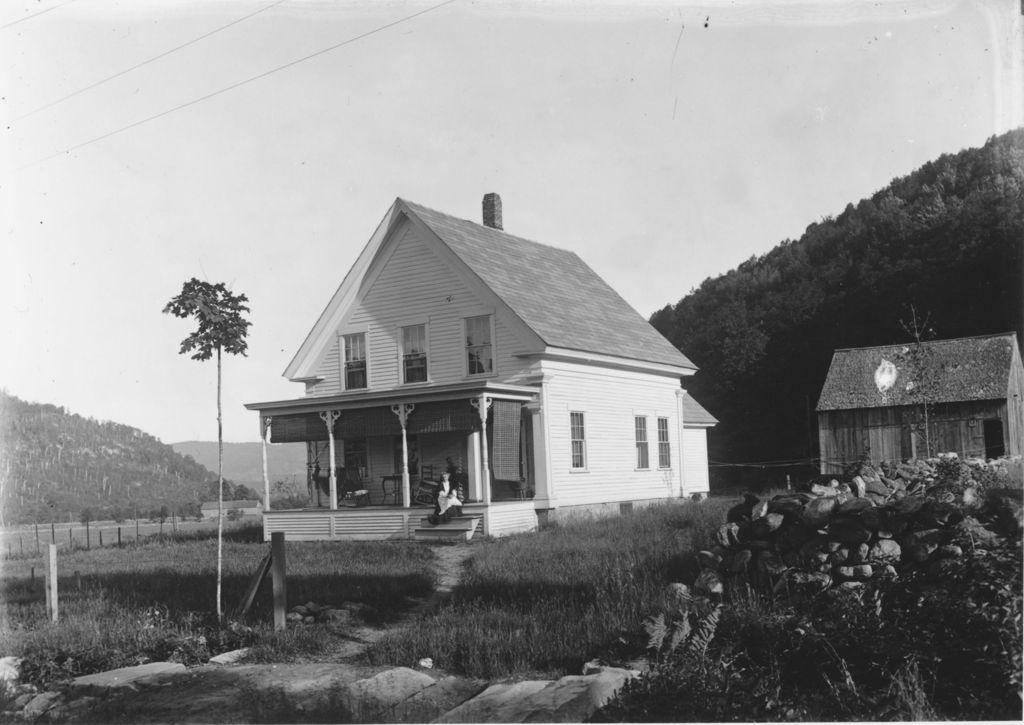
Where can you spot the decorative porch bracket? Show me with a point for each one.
(482, 404)
(265, 422)
(329, 417)
(403, 410)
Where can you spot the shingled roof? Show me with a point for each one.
(694, 415)
(553, 291)
(967, 368)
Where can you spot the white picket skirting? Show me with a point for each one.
(378, 523)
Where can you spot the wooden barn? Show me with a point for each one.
(877, 402)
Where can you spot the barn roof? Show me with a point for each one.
(947, 371)
(553, 291)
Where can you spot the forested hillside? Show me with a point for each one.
(243, 462)
(945, 240)
(55, 465)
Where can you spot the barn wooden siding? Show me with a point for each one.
(884, 434)
(410, 285)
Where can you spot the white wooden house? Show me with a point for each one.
(454, 344)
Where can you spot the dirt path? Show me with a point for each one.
(448, 565)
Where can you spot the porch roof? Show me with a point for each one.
(364, 399)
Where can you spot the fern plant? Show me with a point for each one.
(685, 630)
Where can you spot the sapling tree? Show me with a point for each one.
(221, 328)
(922, 387)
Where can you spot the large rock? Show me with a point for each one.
(102, 682)
(10, 673)
(570, 699)
(885, 551)
(848, 530)
(374, 696)
(817, 512)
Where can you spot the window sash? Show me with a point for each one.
(355, 361)
(577, 435)
(479, 350)
(640, 426)
(664, 449)
(414, 354)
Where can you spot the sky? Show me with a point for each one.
(260, 142)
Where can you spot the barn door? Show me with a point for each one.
(994, 443)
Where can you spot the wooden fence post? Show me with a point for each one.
(101, 538)
(37, 539)
(88, 538)
(118, 537)
(53, 533)
(71, 540)
(51, 583)
(277, 567)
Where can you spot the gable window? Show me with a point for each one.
(355, 360)
(664, 449)
(479, 349)
(414, 354)
(578, 437)
(640, 426)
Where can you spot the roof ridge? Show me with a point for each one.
(927, 342)
(494, 230)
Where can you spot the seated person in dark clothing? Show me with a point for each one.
(448, 504)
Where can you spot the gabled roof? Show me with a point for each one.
(553, 291)
(966, 368)
(694, 415)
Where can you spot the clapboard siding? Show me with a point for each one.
(345, 524)
(510, 518)
(415, 286)
(695, 460)
(610, 399)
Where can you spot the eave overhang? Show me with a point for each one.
(391, 396)
(563, 354)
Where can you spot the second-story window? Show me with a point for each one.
(479, 350)
(414, 354)
(355, 361)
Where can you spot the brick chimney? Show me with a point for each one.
(492, 211)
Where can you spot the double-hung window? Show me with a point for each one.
(640, 426)
(578, 438)
(355, 360)
(479, 348)
(664, 449)
(414, 354)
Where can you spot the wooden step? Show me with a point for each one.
(460, 528)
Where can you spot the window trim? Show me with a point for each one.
(582, 440)
(465, 348)
(401, 352)
(642, 445)
(667, 443)
(344, 361)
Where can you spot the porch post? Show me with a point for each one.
(265, 422)
(482, 404)
(543, 495)
(328, 417)
(402, 410)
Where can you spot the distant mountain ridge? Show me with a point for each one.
(58, 466)
(243, 462)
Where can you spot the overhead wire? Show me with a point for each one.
(147, 61)
(239, 84)
(34, 15)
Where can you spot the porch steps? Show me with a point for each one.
(458, 528)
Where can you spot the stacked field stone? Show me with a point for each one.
(845, 534)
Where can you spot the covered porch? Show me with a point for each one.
(374, 462)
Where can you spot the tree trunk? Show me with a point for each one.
(220, 494)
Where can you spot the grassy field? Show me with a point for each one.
(545, 603)
(154, 600)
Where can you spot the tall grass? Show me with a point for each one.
(156, 601)
(545, 603)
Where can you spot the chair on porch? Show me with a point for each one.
(426, 489)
